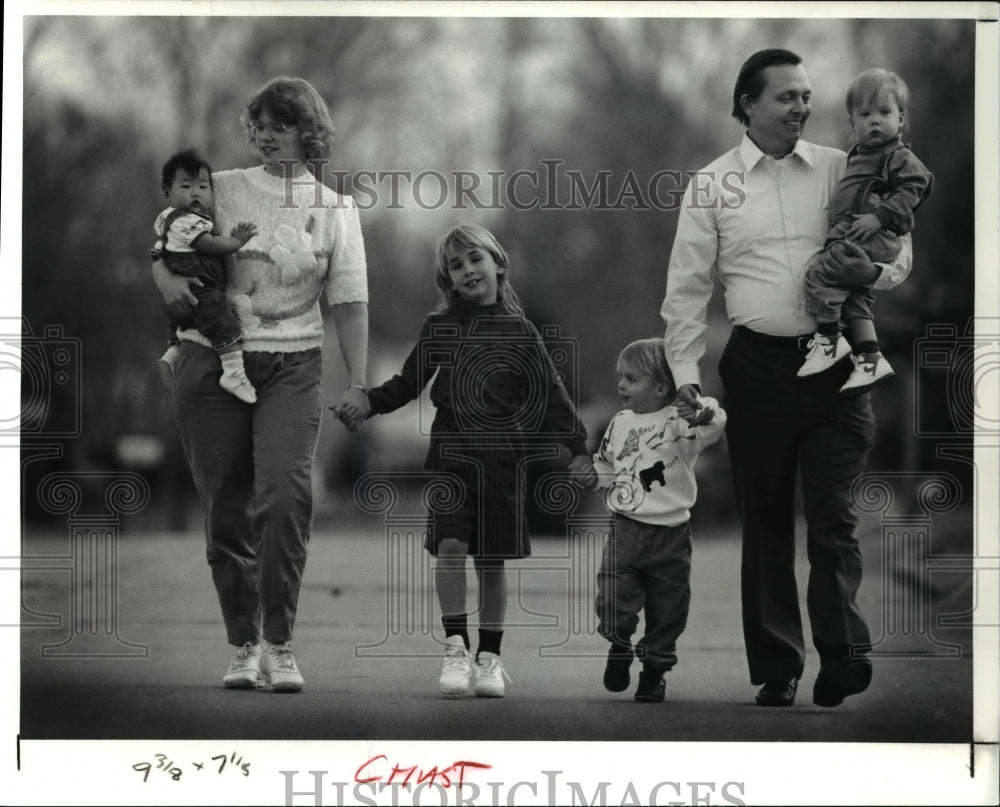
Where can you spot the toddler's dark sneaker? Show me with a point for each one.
(616, 676)
(652, 687)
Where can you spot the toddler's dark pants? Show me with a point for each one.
(645, 567)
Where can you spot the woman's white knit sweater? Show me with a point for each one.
(309, 244)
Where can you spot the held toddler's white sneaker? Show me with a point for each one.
(870, 370)
(824, 353)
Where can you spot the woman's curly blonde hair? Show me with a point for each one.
(294, 102)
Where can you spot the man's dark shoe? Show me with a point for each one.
(652, 688)
(778, 693)
(616, 677)
(839, 678)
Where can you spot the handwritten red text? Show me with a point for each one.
(378, 769)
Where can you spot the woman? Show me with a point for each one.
(252, 463)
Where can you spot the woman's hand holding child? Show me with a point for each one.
(178, 298)
(353, 408)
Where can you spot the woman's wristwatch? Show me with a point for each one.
(361, 387)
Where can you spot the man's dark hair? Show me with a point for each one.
(750, 82)
(188, 161)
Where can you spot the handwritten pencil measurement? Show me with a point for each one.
(220, 763)
(161, 765)
(239, 763)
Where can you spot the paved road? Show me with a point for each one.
(371, 667)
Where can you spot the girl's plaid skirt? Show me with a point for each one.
(482, 475)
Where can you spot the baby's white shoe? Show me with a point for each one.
(236, 382)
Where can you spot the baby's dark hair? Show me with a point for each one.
(189, 161)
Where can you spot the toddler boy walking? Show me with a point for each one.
(646, 461)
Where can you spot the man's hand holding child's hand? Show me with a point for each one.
(696, 413)
(581, 471)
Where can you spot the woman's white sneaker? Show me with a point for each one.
(457, 667)
(279, 668)
(244, 669)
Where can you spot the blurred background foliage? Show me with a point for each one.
(107, 99)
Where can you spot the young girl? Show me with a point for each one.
(495, 389)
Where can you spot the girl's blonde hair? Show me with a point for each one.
(461, 239)
(294, 102)
(870, 84)
(649, 356)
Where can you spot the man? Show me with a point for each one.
(753, 218)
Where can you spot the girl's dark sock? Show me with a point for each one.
(489, 641)
(456, 625)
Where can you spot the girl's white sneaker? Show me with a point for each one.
(457, 667)
(489, 676)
